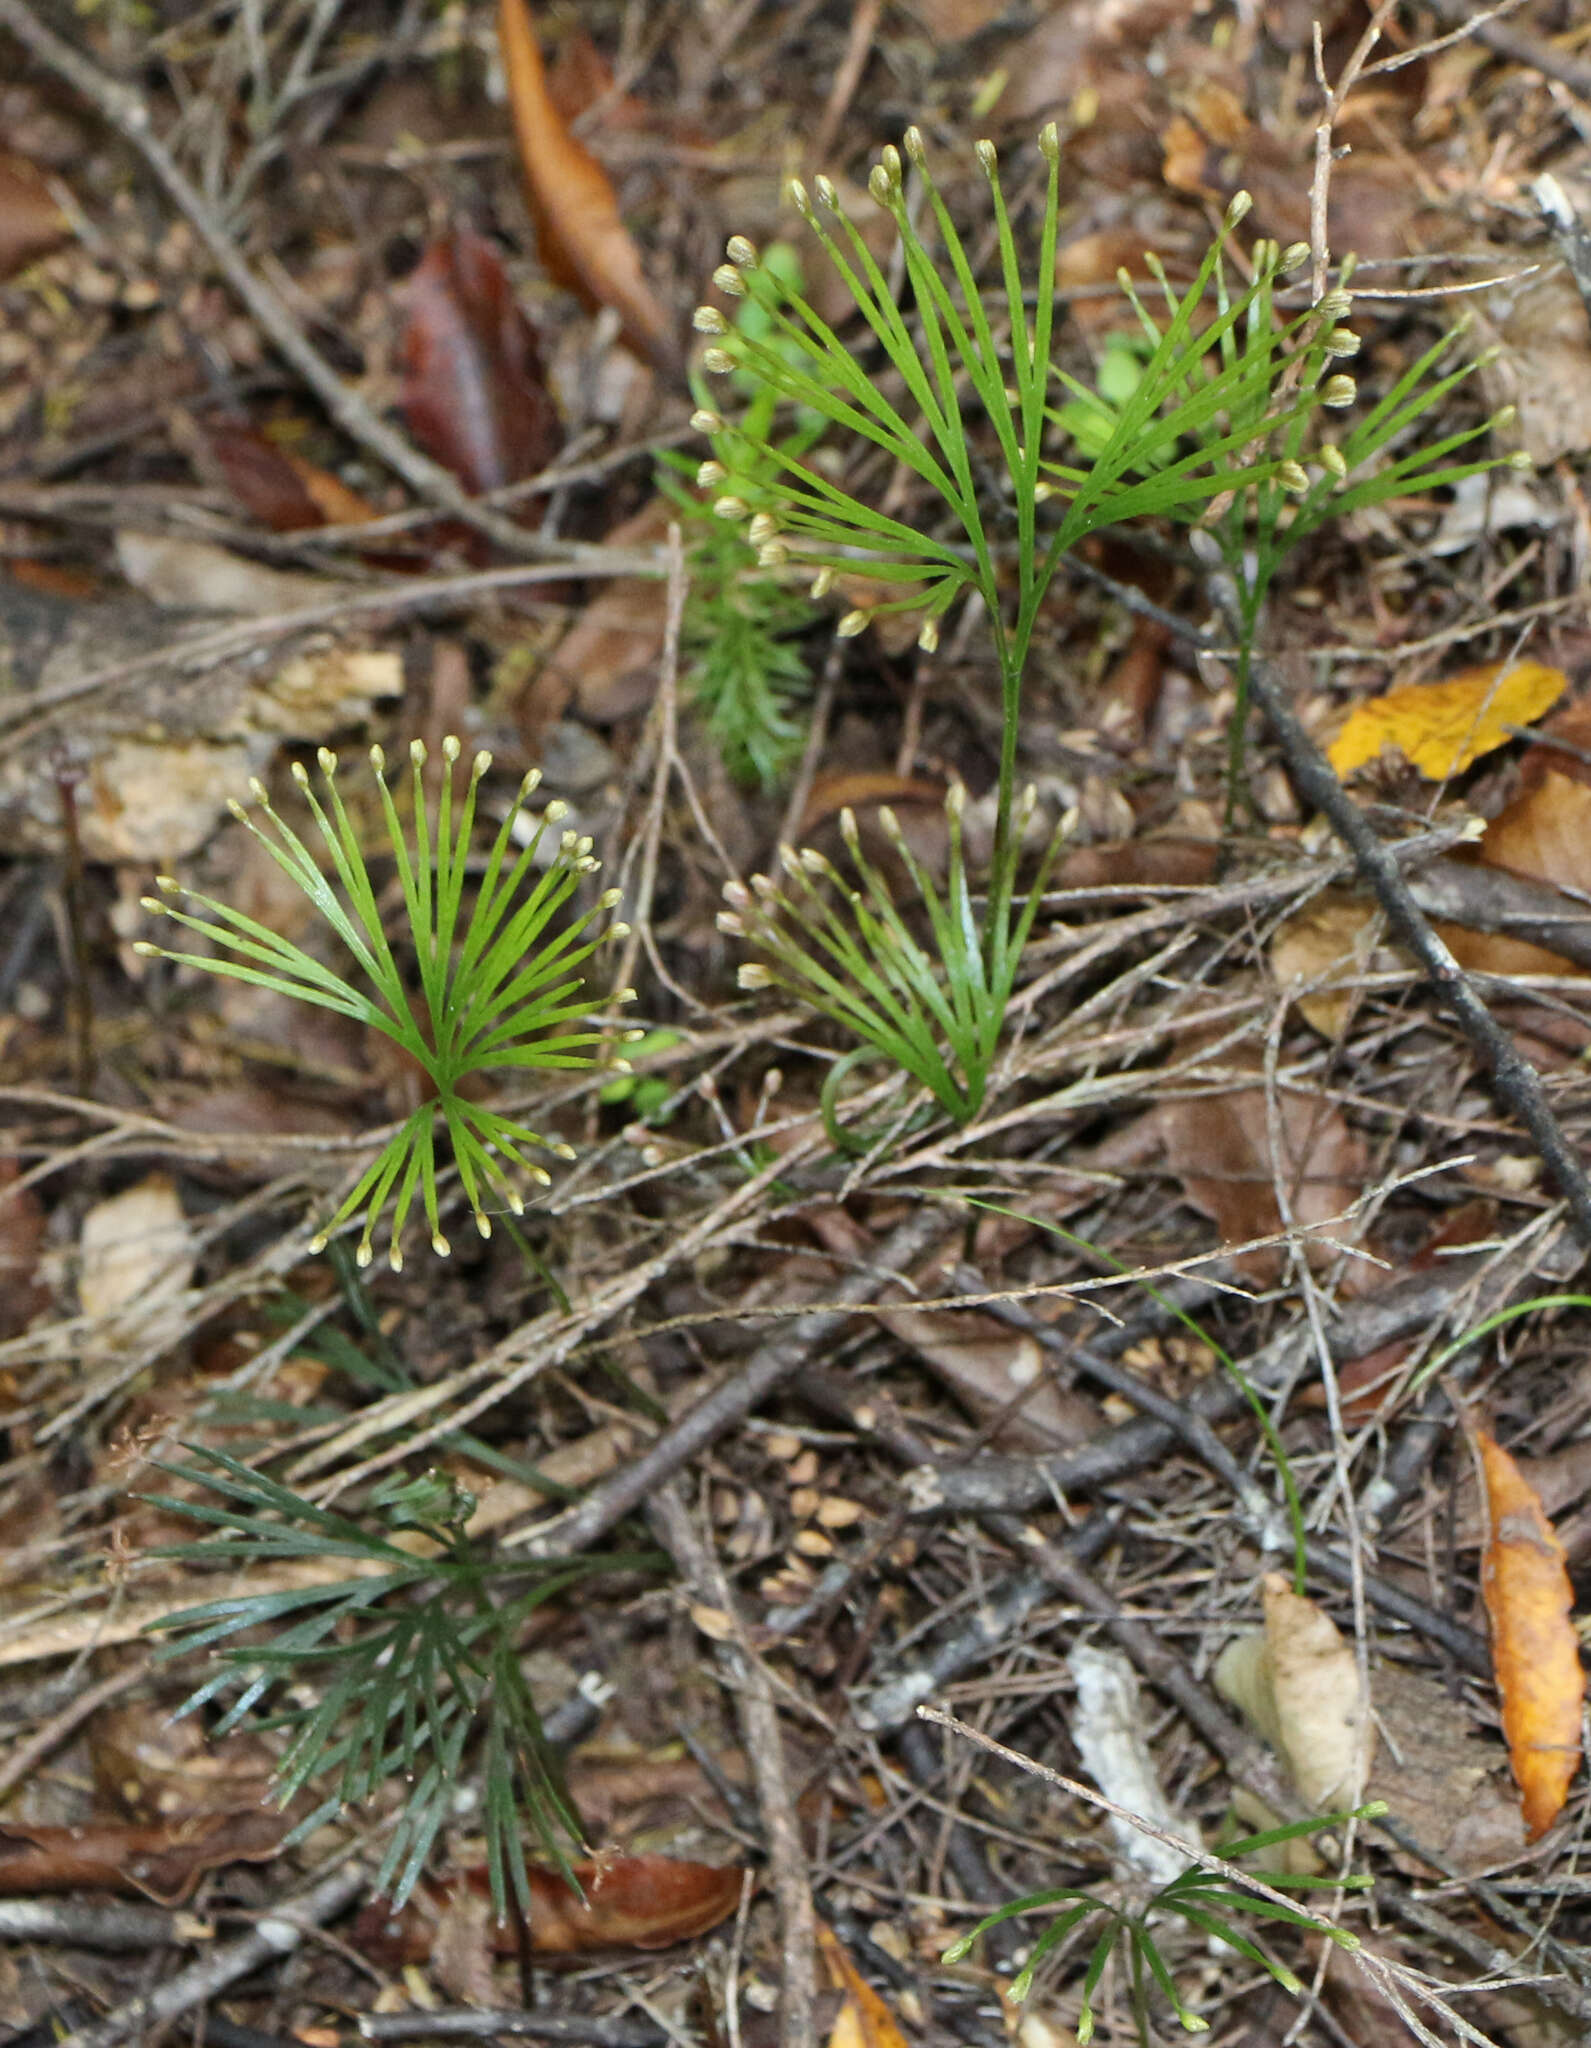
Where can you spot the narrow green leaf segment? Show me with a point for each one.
(500, 982)
(959, 389)
(1206, 1900)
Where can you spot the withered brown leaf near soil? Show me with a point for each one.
(1219, 1146)
(164, 1862)
(31, 223)
(582, 240)
(641, 1902)
(1535, 1651)
(474, 395)
(289, 494)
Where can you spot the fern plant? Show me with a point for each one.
(500, 986)
(745, 672)
(386, 1670)
(1205, 1900)
(1169, 450)
(1214, 426)
(1266, 516)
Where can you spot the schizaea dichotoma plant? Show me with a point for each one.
(500, 981)
(959, 387)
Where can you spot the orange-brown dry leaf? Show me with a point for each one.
(630, 1902)
(864, 2020)
(850, 789)
(581, 238)
(31, 224)
(1535, 1652)
(1442, 727)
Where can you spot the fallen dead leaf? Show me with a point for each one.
(196, 575)
(1535, 1651)
(474, 393)
(997, 1374)
(1299, 1685)
(1543, 368)
(1109, 1726)
(641, 1902)
(134, 1245)
(31, 223)
(607, 661)
(163, 1862)
(1330, 941)
(1442, 727)
(582, 240)
(1439, 1774)
(852, 789)
(22, 1226)
(1219, 1146)
(278, 487)
(864, 2020)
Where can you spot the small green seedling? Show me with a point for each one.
(385, 1672)
(645, 1093)
(1205, 1900)
(1209, 415)
(499, 981)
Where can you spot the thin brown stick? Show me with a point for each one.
(1516, 1082)
(747, 1677)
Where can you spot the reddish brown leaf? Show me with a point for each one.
(584, 243)
(629, 1902)
(162, 1863)
(31, 224)
(288, 494)
(473, 392)
(22, 1223)
(1535, 1651)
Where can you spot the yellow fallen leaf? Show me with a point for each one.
(1443, 727)
(864, 2020)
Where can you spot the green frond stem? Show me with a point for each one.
(500, 979)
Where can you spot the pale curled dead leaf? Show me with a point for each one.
(1108, 1726)
(1299, 1685)
(135, 1245)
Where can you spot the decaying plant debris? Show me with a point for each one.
(1112, 1403)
